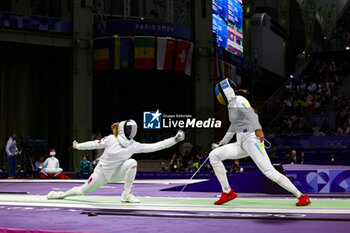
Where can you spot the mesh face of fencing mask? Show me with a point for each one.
(225, 91)
(126, 132)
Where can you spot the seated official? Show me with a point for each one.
(85, 167)
(52, 168)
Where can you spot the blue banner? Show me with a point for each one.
(143, 27)
(321, 119)
(321, 180)
(37, 23)
(311, 141)
(234, 59)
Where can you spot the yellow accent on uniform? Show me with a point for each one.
(221, 99)
(261, 147)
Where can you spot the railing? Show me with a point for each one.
(341, 42)
(274, 99)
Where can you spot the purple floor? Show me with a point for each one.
(138, 190)
(72, 220)
(63, 219)
(106, 190)
(314, 166)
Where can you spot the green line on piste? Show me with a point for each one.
(238, 202)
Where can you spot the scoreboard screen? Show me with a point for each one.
(228, 25)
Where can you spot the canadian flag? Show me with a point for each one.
(165, 53)
(183, 60)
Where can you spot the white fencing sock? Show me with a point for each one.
(285, 183)
(220, 173)
(129, 179)
(73, 192)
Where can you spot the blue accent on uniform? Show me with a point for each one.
(217, 90)
(258, 147)
(244, 106)
(224, 84)
(232, 82)
(245, 130)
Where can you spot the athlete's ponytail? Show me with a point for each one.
(115, 129)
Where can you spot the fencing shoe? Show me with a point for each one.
(55, 195)
(303, 200)
(129, 197)
(225, 197)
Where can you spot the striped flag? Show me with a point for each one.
(165, 53)
(144, 52)
(226, 70)
(189, 60)
(182, 50)
(101, 54)
(222, 70)
(121, 53)
(215, 70)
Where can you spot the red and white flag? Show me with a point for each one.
(165, 53)
(182, 50)
(189, 60)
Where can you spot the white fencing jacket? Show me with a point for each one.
(242, 117)
(115, 154)
(52, 165)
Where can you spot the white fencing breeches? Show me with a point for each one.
(53, 171)
(247, 145)
(98, 179)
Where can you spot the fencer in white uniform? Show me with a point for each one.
(52, 165)
(115, 164)
(250, 142)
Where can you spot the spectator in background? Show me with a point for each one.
(302, 157)
(316, 130)
(294, 157)
(174, 163)
(19, 172)
(287, 159)
(340, 131)
(11, 150)
(85, 167)
(97, 136)
(343, 145)
(235, 167)
(190, 168)
(273, 153)
(181, 168)
(186, 158)
(39, 165)
(163, 168)
(197, 160)
(206, 166)
(332, 158)
(190, 161)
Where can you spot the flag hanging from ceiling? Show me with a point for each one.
(189, 60)
(182, 51)
(165, 53)
(101, 54)
(144, 52)
(121, 52)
